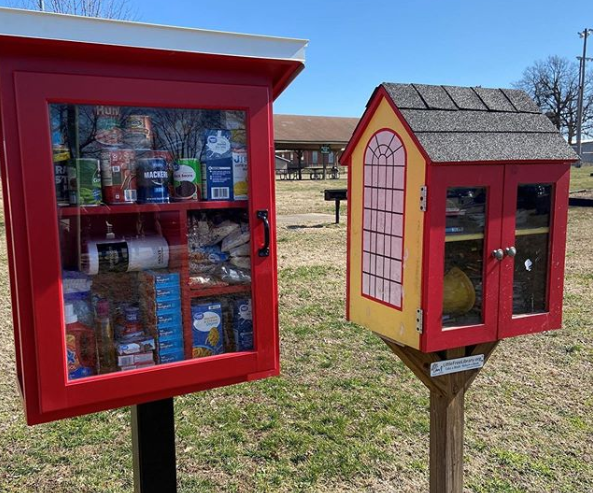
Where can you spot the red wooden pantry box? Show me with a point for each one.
(138, 186)
(457, 201)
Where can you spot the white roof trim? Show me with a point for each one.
(63, 27)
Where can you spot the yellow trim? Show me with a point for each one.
(399, 326)
(532, 231)
(458, 237)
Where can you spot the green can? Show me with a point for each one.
(187, 179)
(84, 182)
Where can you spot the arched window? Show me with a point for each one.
(383, 219)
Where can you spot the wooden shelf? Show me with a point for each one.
(219, 291)
(463, 237)
(71, 211)
(532, 231)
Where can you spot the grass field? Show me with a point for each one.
(346, 415)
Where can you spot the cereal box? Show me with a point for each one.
(207, 329)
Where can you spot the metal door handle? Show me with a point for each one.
(265, 250)
(510, 251)
(498, 254)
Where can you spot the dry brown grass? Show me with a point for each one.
(346, 415)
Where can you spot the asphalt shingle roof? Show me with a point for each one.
(459, 124)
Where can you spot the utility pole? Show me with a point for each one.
(583, 60)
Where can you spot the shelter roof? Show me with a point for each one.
(292, 129)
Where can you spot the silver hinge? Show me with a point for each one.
(423, 198)
(419, 320)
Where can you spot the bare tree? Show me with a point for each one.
(554, 86)
(108, 9)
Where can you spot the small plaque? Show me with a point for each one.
(440, 368)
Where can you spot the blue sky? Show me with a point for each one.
(356, 44)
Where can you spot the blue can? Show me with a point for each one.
(152, 176)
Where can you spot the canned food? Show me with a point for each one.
(187, 179)
(153, 180)
(84, 182)
(138, 131)
(118, 176)
(61, 155)
(108, 131)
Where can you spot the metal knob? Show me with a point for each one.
(510, 251)
(498, 254)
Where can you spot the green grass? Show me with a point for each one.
(581, 179)
(345, 415)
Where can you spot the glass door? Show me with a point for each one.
(463, 257)
(149, 236)
(531, 283)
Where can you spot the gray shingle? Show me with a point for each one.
(494, 99)
(467, 147)
(465, 98)
(404, 95)
(464, 124)
(435, 97)
(476, 121)
(521, 101)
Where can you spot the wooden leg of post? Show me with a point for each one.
(153, 441)
(447, 405)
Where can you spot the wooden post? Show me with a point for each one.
(153, 442)
(447, 405)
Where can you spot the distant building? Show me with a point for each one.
(312, 142)
(587, 150)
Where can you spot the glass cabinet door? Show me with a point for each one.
(531, 249)
(464, 256)
(149, 237)
(465, 209)
(531, 282)
(151, 201)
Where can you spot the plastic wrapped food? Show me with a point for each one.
(206, 280)
(205, 233)
(208, 255)
(233, 275)
(243, 250)
(241, 262)
(236, 238)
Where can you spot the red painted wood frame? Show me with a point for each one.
(48, 395)
(441, 177)
(557, 175)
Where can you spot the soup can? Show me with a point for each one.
(118, 176)
(84, 182)
(138, 130)
(187, 179)
(152, 177)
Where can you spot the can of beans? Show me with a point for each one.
(187, 179)
(84, 182)
(138, 131)
(118, 176)
(152, 178)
